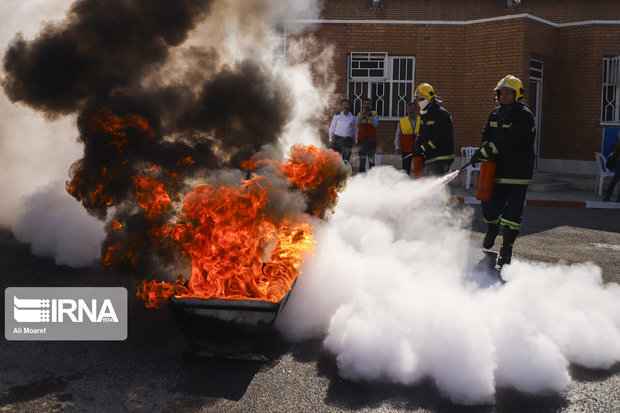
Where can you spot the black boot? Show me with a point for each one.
(505, 255)
(489, 238)
(505, 252)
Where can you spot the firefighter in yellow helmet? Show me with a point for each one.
(435, 140)
(507, 139)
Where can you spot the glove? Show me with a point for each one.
(417, 151)
(477, 157)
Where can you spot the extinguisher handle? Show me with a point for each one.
(466, 165)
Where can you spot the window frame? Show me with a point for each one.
(610, 86)
(367, 87)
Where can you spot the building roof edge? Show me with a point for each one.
(455, 22)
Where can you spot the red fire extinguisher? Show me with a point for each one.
(485, 180)
(418, 167)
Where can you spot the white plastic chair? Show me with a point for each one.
(601, 172)
(466, 154)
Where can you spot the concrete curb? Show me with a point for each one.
(470, 200)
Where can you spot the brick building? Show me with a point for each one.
(566, 52)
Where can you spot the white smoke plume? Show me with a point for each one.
(32, 151)
(56, 225)
(394, 290)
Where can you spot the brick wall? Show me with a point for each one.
(573, 112)
(464, 63)
(557, 11)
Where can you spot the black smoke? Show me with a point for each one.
(101, 47)
(100, 63)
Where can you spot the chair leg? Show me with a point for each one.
(595, 184)
(468, 180)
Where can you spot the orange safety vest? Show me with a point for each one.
(367, 131)
(408, 134)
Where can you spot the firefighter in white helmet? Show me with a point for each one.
(508, 139)
(436, 140)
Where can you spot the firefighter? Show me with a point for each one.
(435, 141)
(507, 139)
(366, 123)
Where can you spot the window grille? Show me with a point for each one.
(610, 112)
(391, 92)
(367, 65)
(536, 69)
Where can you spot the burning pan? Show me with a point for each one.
(225, 326)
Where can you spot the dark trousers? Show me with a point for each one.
(614, 181)
(343, 145)
(437, 168)
(366, 150)
(505, 206)
(407, 161)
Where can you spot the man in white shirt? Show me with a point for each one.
(342, 130)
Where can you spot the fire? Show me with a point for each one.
(114, 127)
(80, 188)
(241, 244)
(98, 181)
(155, 294)
(114, 225)
(238, 248)
(151, 195)
(226, 234)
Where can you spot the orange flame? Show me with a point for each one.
(155, 294)
(237, 248)
(114, 225)
(115, 127)
(151, 195)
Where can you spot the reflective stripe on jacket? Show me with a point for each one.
(511, 134)
(436, 136)
(408, 133)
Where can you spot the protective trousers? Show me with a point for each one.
(505, 208)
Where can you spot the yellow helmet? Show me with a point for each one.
(427, 91)
(512, 83)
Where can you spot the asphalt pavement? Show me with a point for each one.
(158, 370)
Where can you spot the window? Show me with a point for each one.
(386, 80)
(367, 65)
(610, 112)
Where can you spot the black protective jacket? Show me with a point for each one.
(512, 133)
(436, 137)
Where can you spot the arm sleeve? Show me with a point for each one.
(356, 126)
(332, 128)
(443, 130)
(398, 137)
(486, 132)
(374, 120)
(616, 151)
